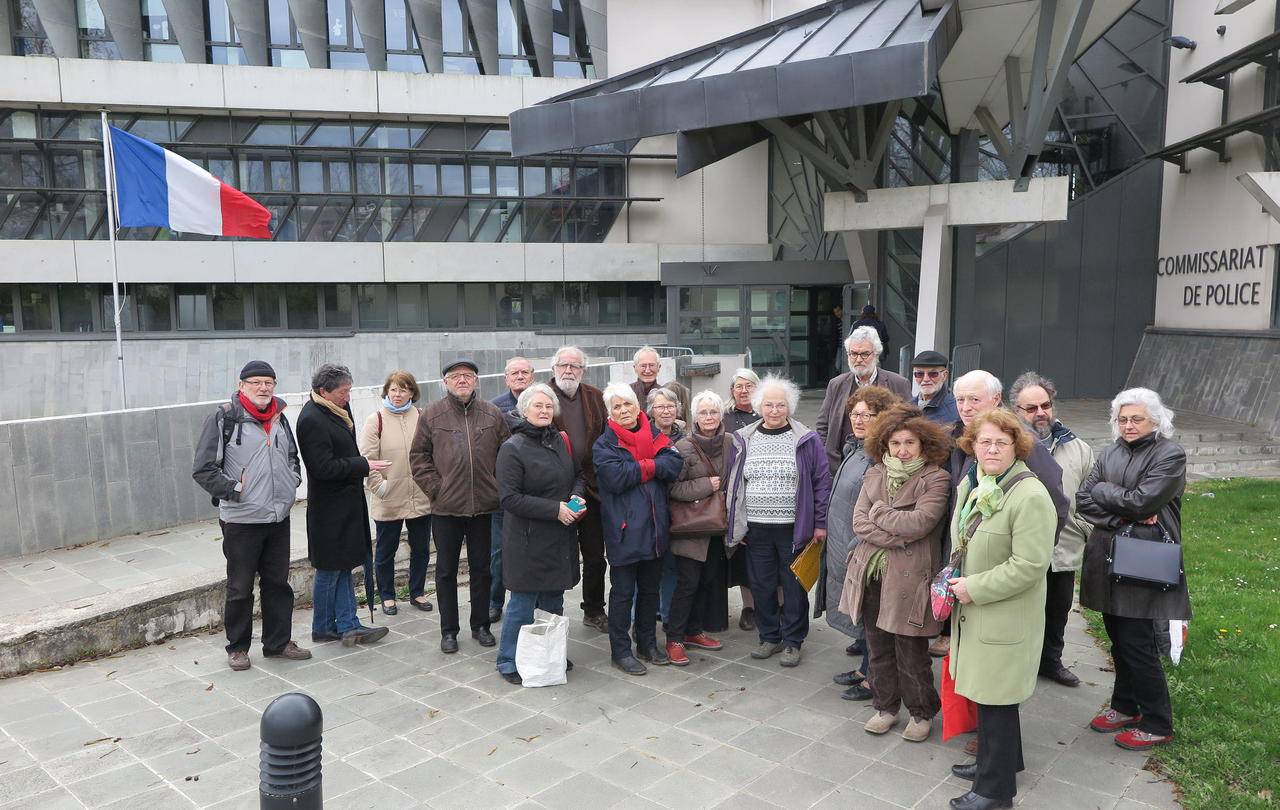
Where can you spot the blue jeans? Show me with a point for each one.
(497, 593)
(384, 560)
(334, 599)
(769, 558)
(519, 613)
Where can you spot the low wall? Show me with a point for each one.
(1233, 375)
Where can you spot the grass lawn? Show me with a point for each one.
(1226, 691)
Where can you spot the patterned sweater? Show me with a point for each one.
(769, 476)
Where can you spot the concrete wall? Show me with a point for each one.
(1230, 374)
(57, 377)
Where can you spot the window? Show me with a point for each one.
(153, 307)
(577, 303)
(229, 303)
(223, 39)
(95, 39)
(442, 306)
(193, 306)
(8, 324)
(477, 305)
(75, 308)
(159, 42)
(35, 301)
(127, 323)
(609, 295)
(403, 51)
(267, 309)
(337, 305)
(510, 305)
(543, 296)
(374, 313)
(301, 306)
(410, 314)
(345, 43)
(644, 300)
(29, 36)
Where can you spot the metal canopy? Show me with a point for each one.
(848, 53)
(1262, 123)
(1262, 52)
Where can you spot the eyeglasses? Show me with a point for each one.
(861, 355)
(985, 445)
(1030, 409)
(858, 416)
(461, 376)
(664, 408)
(521, 372)
(260, 383)
(646, 366)
(569, 367)
(932, 373)
(1136, 421)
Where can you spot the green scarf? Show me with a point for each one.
(985, 497)
(898, 471)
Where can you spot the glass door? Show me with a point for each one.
(767, 311)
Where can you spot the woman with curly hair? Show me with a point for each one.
(899, 522)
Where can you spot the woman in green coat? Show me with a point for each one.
(1005, 523)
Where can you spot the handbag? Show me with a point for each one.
(808, 564)
(1154, 559)
(703, 517)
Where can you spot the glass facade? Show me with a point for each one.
(88, 309)
(324, 180)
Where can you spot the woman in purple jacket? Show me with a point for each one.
(779, 484)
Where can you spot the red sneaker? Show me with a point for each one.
(675, 651)
(1111, 720)
(1137, 740)
(703, 641)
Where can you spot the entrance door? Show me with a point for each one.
(768, 316)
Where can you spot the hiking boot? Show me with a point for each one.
(790, 657)
(1111, 720)
(655, 655)
(599, 621)
(703, 641)
(238, 661)
(1139, 740)
(675, 651)
(917, 730)
(291, 652)
(881, 722)
(483, 637)
(940, 646)
(766, 650)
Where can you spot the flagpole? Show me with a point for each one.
(111, 233)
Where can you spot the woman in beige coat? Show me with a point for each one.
(395, 499)
(899, 520)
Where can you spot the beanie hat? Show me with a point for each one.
(257, 368)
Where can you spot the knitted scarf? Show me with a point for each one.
(341, 413)
(263, 417)
(897, 471)
(641, 444)
(386, 403)
(985, 495)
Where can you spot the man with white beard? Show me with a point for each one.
(582, 417)
(1033, 399)
(862, 348)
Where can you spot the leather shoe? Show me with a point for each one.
(858, 647)
(1060, 674)
(390, 609)
(630, 665)
(747, 621)
(598, 622)
(512, 678)
(968, 772)
(849, 678)
(425, 605)
(495, 613)
(320, 638)
(238, 661)
(972, 801)
(856, 692)
(483, 637)
(448, 643)
(290, 652)
(363, 635)
(568, 665)
(655, 655)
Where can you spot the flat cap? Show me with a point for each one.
(929, 358)
(461, 361)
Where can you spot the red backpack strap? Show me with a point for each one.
(568, 444)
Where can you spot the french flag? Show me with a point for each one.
(157, 188)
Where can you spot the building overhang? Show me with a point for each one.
(1264, 123)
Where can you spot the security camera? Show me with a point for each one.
(1182, 43)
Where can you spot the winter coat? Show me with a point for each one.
(1128, 483)
(813, 485)
(536, 474)
(634, 513)
(997, 638)
(1075, 457)
(505, 402)
(846, 484)
(595, 415)
(337, 516)
(909, 527)
(833, 419)
(455, 455)
(1040, 462)
(266, 463)
(942, 408)
(735, 419)
(694, 484)
(393, 494)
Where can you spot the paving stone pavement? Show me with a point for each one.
(405, 725)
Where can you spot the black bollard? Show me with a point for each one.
(290, 764)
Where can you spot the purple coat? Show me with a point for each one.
(813, 488)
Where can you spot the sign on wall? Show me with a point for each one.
(1216, 287)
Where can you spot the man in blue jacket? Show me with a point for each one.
(929, 369)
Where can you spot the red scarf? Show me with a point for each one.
(642, 444)
(264, 417)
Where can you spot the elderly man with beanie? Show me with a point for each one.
(454, 459)
(929, 370)
(247, 459)
(863, 348)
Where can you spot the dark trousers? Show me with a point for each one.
(999, 752)
(1140, 686)
(261, 550)
(1057, 607)
(497, 591)
(591, 546)
(769, 558)
(451, 534)
(901, 670)
(694, 591)
(638, 581)
(384, 556)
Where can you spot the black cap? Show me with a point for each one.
(257, 368)
(869, 309)
(461, 361)
(929, 358)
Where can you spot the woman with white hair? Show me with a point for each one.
(662, 405)
(634, 463)
(1136, 488)
(778, 487)
(541, 490)
(738, 410)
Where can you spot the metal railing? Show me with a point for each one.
(965, 358)
(626, 353)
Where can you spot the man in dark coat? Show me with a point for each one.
(582, 416)
(454, 460)
(929, 369)
(870, 318)
(862, 348)
(647, 364)
(518, 376)
(337, 514)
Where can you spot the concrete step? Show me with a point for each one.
(1231, 449)
(1235, 465)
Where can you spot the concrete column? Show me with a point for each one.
(933, 310)
(484, 21)
(250, 17)
(187, 21)
(964, 243)
(541, 23)
(313, 29)
(59, 20)
(124, 21)
(371, 18)
(6, 30)
(594, 20)
(429, 25)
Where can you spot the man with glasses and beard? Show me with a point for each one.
(582, 417)
(929, 370)
(863, 348)
(1033, 397)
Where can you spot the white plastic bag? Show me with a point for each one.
(1177, 639)
(542, 650)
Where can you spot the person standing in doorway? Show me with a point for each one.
(872, 319)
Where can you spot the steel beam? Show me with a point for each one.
(992, 130)
(885, 128)
(593, 18)
(803, 142)
(250, 18)
(1013, 92)
(541, 23)
(372, 21)
(484, 21)
(186, 19)
(427, 22)
(834, 137)
(312, 21)
(59, 20)
(1038, 115)
(124, 21)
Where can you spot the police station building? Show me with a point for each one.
(1089, 189)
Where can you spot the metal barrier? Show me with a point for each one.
(626, 353)
(965, 358)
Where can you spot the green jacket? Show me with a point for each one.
(996, 639)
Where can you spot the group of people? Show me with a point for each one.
(680, 497)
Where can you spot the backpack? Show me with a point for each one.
(229, 427)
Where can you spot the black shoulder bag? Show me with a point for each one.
(1145, 554)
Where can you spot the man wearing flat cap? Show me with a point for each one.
(454, 460)
(929, 370)
(247, 459)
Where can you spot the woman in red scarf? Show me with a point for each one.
(634, 463)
